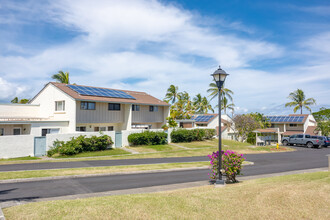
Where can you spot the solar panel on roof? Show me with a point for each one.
(91, 91)
(285, 118)
(203, 118)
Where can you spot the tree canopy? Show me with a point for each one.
(299, 101)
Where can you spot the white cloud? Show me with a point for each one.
(10, 90)
(163, 45)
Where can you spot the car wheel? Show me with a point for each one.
(285, 143)
(310, 145)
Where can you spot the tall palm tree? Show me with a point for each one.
(225, 105)
(172, 94)
(213, 90)
(299, 101)
(62, 77)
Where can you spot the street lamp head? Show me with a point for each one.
(219, 76)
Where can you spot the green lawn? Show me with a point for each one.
(302, 196)
(111, 152)
(198, 148)
(97, 170)
(153, 148)
(21, 158)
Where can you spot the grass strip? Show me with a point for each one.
(301, 196)
(96, 170)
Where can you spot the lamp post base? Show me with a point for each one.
(219, 183)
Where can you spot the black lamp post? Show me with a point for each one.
(219, 77)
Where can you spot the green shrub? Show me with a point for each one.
(198, 134)
(80, 144)
(147, 138)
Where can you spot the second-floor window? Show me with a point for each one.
(87, 105)
(59, 106)
(153, 108)
(135, 108)
(114, 107)
(292, 125)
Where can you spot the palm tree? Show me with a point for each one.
(213, 90)
(172, 94)
(202, 105)
(300, 101)
(15, 100)
(22, 101)
(225, 105)
(62, 77)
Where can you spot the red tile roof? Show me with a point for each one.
(140, 97)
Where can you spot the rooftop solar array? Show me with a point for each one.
(91, 91)
(285, 118)
(202, 118)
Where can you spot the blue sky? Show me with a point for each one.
(269, 48)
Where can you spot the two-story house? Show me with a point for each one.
(286, 126)
(63, 108)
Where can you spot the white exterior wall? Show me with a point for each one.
(19, 110)
(36, 127)
(66, 137)
(16, 146)
(46, 99)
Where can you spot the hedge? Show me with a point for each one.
(80, 144)
(184, 135)
(147, 138)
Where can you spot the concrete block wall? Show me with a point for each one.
(16, 146)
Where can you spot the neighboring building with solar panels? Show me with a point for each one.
(210, 121)
(62, 108)
(286, 126)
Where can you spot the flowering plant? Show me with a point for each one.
(231, 165)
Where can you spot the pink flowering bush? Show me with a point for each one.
(231, 165)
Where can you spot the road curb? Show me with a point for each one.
(2, 216)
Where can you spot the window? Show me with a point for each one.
(307, 136)
(153, 108)
(87, 105)
(292, 125)
(96, 128)
(114, 107)
(110, 128)
(103, 128)
(293, 136)
(17, 131)
(44, 132)
(2, 131)
(80, 128)
(59, 106)
(300, 136)
(135, 108)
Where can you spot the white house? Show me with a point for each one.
(286, 126)
(211, 121)
(63, 108)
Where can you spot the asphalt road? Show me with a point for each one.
(97, 163)
(264, 164)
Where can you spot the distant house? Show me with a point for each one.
(286, 126)
(211, 121)
(63, 108)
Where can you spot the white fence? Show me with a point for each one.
(16, 146)
(23, 145)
